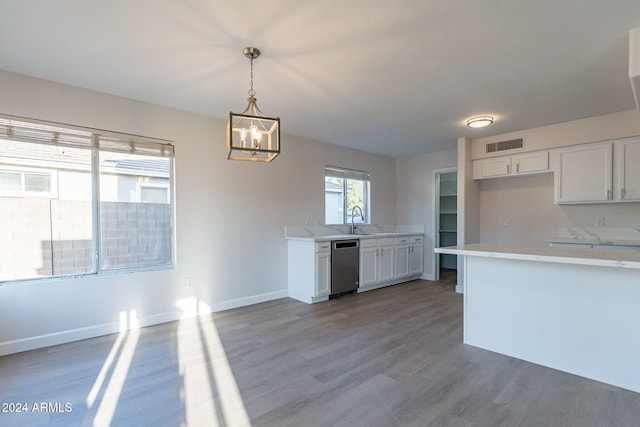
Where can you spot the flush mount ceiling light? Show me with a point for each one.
(480, 121)
(251, 135)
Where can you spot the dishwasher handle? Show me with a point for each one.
(344, 244)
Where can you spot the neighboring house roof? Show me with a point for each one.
(333, 187)
(17, 153)
(159, 166)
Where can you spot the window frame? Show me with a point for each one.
(115, 142)
(353, 175)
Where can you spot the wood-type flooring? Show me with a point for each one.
(389, 357)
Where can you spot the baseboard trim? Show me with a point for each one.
(254, 299)
(77, 334)
(431, 277)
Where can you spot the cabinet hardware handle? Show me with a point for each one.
(622, 193)
(518, 167)
(608, 194)
(508, 169)
(381, 251)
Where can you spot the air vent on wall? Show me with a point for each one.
(511, 144)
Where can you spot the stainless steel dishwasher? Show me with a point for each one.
(345, 266)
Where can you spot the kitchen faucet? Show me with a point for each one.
(353, 227)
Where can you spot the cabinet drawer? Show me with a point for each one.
(323, 247)
(388, 241)
(368, 243)
(417, 239)
(402, 240)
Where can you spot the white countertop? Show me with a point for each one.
(349, 236)
(581, 256)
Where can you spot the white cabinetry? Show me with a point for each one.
(600, 172)
(309, 264)
(387, 261)
(584, 173)
(323, 269)
(376, 261)
(401, 256)
(409, 256)
(628, 169)
(416, 256)
(491, 168)
(309, 270)
(517, 164)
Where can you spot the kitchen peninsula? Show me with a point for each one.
(572, 309)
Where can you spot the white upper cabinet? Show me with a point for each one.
(528, 163)
(600, 172)
(517, 164)
(492, 168)
(584, 173)
(628, 169)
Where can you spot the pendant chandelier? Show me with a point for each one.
(251, 135)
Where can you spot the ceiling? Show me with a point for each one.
(393, 78)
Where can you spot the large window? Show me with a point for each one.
(77, 201)
(346, 196)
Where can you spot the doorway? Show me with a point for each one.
(446, 222)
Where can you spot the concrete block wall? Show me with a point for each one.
(45, 237)
(135, 234)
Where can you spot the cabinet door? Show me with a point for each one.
(401, 260)
(628, 167)
(386, 263)
(529, 163)
(491, 168)
(323, 273)
(368, 266)
(417, 251)
(584, 174)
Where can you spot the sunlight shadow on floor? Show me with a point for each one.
(210, 392)
(121, 354)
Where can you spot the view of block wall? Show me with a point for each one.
(135, 234)
(50, 237)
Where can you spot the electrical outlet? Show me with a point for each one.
(600, 221)
(507, 223)
(190, 282)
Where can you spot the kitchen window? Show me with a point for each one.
(346, 194)
(77, 201)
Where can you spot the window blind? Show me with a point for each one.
(338, 172)
(60, 135)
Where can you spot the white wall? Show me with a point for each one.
(527, 202)
(415, 197)
(230, 218)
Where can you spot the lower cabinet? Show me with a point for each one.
(376, 261)
(416, 256)
(384, 261)
(309, 270)
(323, 269)
(409, 256)
(402, 258)
(387, 261)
